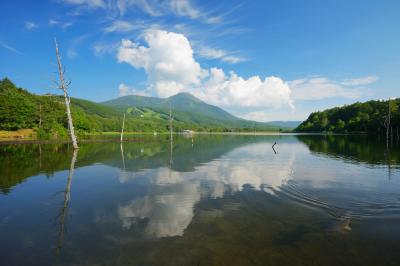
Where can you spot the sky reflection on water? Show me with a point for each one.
(130, 200)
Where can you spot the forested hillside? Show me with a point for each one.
(20, 109)
(368, 117)
(189, 109)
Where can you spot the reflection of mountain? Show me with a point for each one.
(19, 162)
(356, 148)
(169, 206)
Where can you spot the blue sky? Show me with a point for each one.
(262, 60)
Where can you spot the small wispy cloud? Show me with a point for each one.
(184, 8)
(233, 59)
(225, 56)
(100, 49)
(62, 25)
(214, 20)
(318, 88)
(88, 3)
(72, 51)
(29, 25)
(9, 48)
(154, 8)
(124, 90)
(360, 81)
(122, 26)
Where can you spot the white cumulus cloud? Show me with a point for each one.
(233, 90)
(171, 68)
(168, 61)
(321, 88)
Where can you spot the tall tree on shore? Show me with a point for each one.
(63, 85)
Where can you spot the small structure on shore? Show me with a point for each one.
(188, 131)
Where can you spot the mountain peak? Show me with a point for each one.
(184, 95)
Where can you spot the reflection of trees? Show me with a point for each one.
(359, 148)
(64, 209)
(23, 161)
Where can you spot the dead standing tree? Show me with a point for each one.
(122, 129)
(387, 125)
(63, 85)
(170, 133)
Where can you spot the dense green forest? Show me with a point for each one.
(368, 117)
(20, 109)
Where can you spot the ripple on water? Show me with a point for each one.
(378, 205)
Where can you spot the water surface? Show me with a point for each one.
(205, 200)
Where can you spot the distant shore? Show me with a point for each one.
(86, 138)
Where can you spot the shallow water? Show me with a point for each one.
(210, 200)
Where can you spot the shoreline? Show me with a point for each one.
(12, 141)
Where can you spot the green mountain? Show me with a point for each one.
(187, 109)
(368, 117)
(20, 109)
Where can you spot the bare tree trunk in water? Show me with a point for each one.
(122, 130)
(64, 208)
(64, 86)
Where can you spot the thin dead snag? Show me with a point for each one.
(122, 130)
(170, 133)
(64, 87)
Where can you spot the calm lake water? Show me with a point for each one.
(210, 200)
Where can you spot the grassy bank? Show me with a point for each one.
(26, 134)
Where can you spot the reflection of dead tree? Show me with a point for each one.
(388, 162)
(64, 210)
(123, 156)
(63, 85)
(123, 176)
(40, 156)
(273, 147)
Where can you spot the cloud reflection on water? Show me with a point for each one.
(169, 206)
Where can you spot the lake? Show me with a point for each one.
(204, 200)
